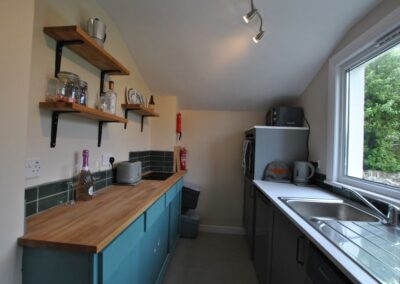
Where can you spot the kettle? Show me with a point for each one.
(97, 30)
(302, 172)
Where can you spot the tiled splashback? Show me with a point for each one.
(45, 196)
(155, 161)
(41, 197)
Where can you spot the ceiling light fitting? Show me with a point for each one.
(250, 15)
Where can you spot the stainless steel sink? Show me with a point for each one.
(328, 209)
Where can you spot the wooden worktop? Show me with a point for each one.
(89, 226)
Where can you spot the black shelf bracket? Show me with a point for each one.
(141, 128)
(54, 126)
(59, 51)
(126, 117)
(100, 132)
(142, 119)
(102, 78)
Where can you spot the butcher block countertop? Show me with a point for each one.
(89, 226)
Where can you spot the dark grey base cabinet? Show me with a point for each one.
(263, 237)
(283, 254)
(248, 209)
(288, 252)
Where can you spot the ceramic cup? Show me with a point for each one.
(302, 172)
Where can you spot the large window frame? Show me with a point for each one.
(372, 42)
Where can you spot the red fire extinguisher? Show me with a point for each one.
(183, 155)
(179, 125)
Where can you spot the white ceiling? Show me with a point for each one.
(202, 51)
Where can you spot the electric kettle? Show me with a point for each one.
(302, 172)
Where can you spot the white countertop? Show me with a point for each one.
(275, 190)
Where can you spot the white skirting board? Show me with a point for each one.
(230, 230)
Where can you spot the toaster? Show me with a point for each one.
(129, 172)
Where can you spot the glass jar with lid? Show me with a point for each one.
(68, 89)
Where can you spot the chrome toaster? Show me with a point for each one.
(129, 172)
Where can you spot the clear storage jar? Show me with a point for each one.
(68, 90)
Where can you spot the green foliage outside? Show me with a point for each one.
(382, 113)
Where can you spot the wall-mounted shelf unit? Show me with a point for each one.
(87, 112)
(82, 44)
(139, 110)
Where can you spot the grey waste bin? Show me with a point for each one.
(190, 224)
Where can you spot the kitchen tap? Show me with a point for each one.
(391, 219)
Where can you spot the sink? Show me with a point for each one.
(157, 176)
(328, 209)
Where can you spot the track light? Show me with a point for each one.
(250, 15)
(257, 38)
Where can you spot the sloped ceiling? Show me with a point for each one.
(202, 51)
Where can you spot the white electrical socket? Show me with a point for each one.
(32, 168)
(105, 159)
(318, 164)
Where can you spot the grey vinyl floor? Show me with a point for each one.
(211, 259)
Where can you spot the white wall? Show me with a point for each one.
(15, 56)
(314, 99)
(214, 143)
(163, 128)
(75, 134)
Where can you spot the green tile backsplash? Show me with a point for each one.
(156, 161)
(45, 196)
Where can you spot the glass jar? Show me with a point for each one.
(68, 90)
(52, 90)
(83, 92)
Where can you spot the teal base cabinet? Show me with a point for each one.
(42, 266)
(118, 262)
(139, 255)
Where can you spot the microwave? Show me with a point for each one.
(285, 116)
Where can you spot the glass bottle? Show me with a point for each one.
(109, 99)
(83, 94)
(85, 186)
(152, 105)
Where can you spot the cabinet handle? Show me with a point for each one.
(300, 242)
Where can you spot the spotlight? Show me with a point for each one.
(257, 38)
(249, 15)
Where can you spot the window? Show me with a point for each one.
(372, 148)
(364, 116)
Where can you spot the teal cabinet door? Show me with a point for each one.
(179, 187)
(154, 249)
(174, 214)
(119, 261)
(42, 265)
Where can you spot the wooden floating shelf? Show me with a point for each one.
(140, 110)
(81, 110)
(87, 112)
(89, 49)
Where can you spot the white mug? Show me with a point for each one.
(302, 172)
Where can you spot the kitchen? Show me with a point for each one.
(190, 57)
